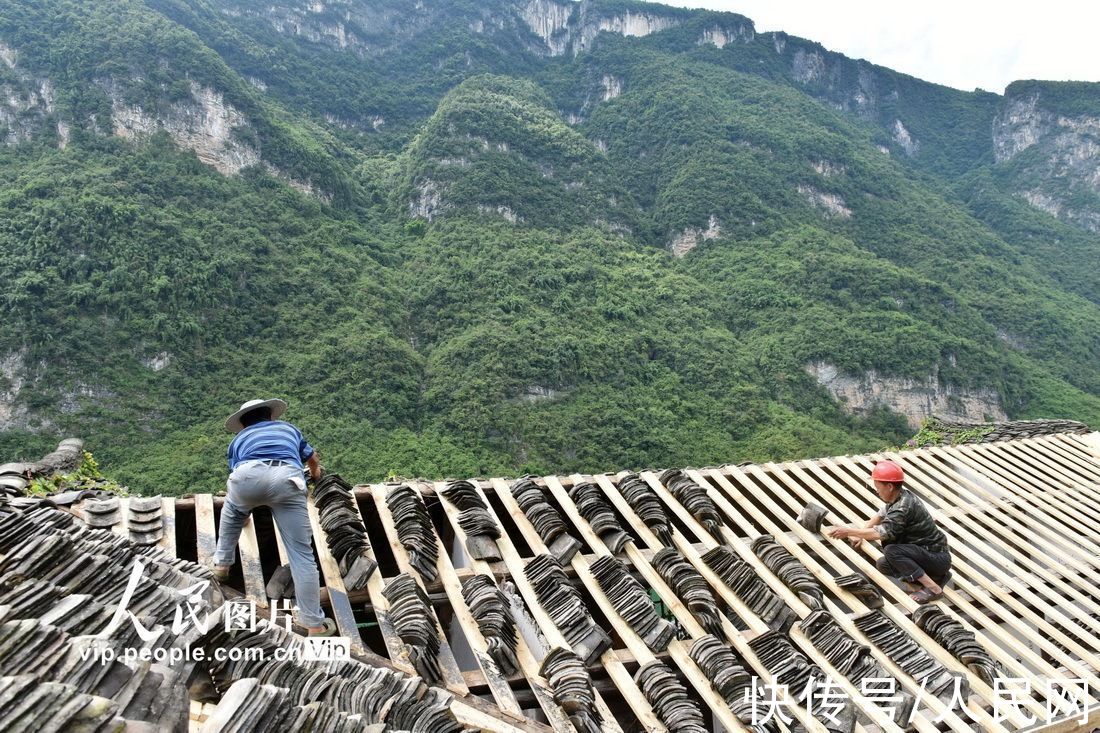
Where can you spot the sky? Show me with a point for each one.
(965, 44)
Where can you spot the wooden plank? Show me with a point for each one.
(529, 659)
(967, 563)
(480, 720)
(337, 593)
(1074, 454)
(1087, 444)
(251, 567)
(395, 648)
(1064, 491)
(452, 675)
(206, 540)
(676, 650)
(1059, 468)
(989, 627)
(122, 527)
(1047, 530)
(168, 516)
(810, 473)
(996, 523)
(827, 580)
(743, 549)
(737, 639)
(1054, 525)
(550, 631)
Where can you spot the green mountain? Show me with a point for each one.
(508, 236)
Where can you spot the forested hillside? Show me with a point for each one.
(469, 238)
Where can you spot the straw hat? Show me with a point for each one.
(233, 422)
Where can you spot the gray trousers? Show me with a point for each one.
(283, 490)
(909, 562)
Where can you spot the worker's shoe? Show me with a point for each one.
(925, 595)
(328, 628)
(221, 572)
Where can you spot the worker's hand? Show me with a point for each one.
(839, 533)
(855, 542)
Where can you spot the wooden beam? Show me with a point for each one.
(206, 540)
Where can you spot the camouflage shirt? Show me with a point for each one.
(906, 521)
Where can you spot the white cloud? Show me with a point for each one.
(963, 44)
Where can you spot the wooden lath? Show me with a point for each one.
(1023, 517)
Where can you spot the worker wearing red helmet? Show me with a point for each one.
(914, 549)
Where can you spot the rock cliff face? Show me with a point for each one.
(722, 36)
(689, 239)
(829, 203)
(361, 28)
(13, 414)
(26, 102)
(1056, 155)
(572, 27)
(205, 124)
(917, 399)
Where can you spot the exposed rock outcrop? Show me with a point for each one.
(1018, 126)
(549, 21)
(204, 124)
(916, 398)
(829, 203)
(13, 414)
(1061, 173)
(722, 36)
(905, 139)
(26, 102)
(828, 169)
(428, 202)
(808, 67)
(612, 87)
(689, 239)
(567, 26)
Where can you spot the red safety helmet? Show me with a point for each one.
(888, 471)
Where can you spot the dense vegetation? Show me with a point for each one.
(482, 284)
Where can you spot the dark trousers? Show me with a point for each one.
(909, 562)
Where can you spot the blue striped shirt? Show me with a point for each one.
(271, 439)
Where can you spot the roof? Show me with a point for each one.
(938, 430)
(611, 602)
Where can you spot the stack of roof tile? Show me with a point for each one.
(60, 585)
(145, 521)
(545, 519)
(695, 500)
(787, 568)
(481, 529)
(320, 696)
(728, 676)
(413, 620)
(102, 513)
(787, 665)
(598, 513)
(690, 587)
(916, 661)
(565, 607)
(571, 685)
(13, 479)
(749, 587)
(414, 529)
(957, 639)
(669, 699)
(344, 530)
(632, 602)
(490, 609)
(647, 505)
